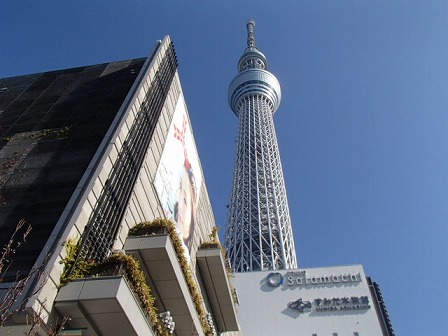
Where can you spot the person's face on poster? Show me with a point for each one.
(184, 216)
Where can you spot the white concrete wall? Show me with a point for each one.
(264, 310)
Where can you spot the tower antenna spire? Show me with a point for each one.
(251, 33)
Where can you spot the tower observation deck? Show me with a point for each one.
(259, 233)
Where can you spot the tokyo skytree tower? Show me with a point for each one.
(259, 234)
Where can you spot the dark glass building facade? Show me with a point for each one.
(51, 126)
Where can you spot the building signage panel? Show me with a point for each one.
(300, 278)
(334, 304)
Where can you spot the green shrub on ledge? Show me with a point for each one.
(209, 245)
(82, 269)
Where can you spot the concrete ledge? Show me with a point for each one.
(102, 306)
(212, 267)
(158, 260)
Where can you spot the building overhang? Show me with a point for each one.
(102, 306)
(214, 275)
(159, 262)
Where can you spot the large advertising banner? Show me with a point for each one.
(178, 178)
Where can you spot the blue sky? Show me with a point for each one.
(362, 127)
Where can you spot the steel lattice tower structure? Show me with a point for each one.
(259, 233)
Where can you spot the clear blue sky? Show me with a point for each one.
(362, 128)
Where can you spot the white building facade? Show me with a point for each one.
(328, 301)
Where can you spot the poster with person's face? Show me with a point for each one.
(178, 177)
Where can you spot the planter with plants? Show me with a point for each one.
(118, 264)
(165, 227)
